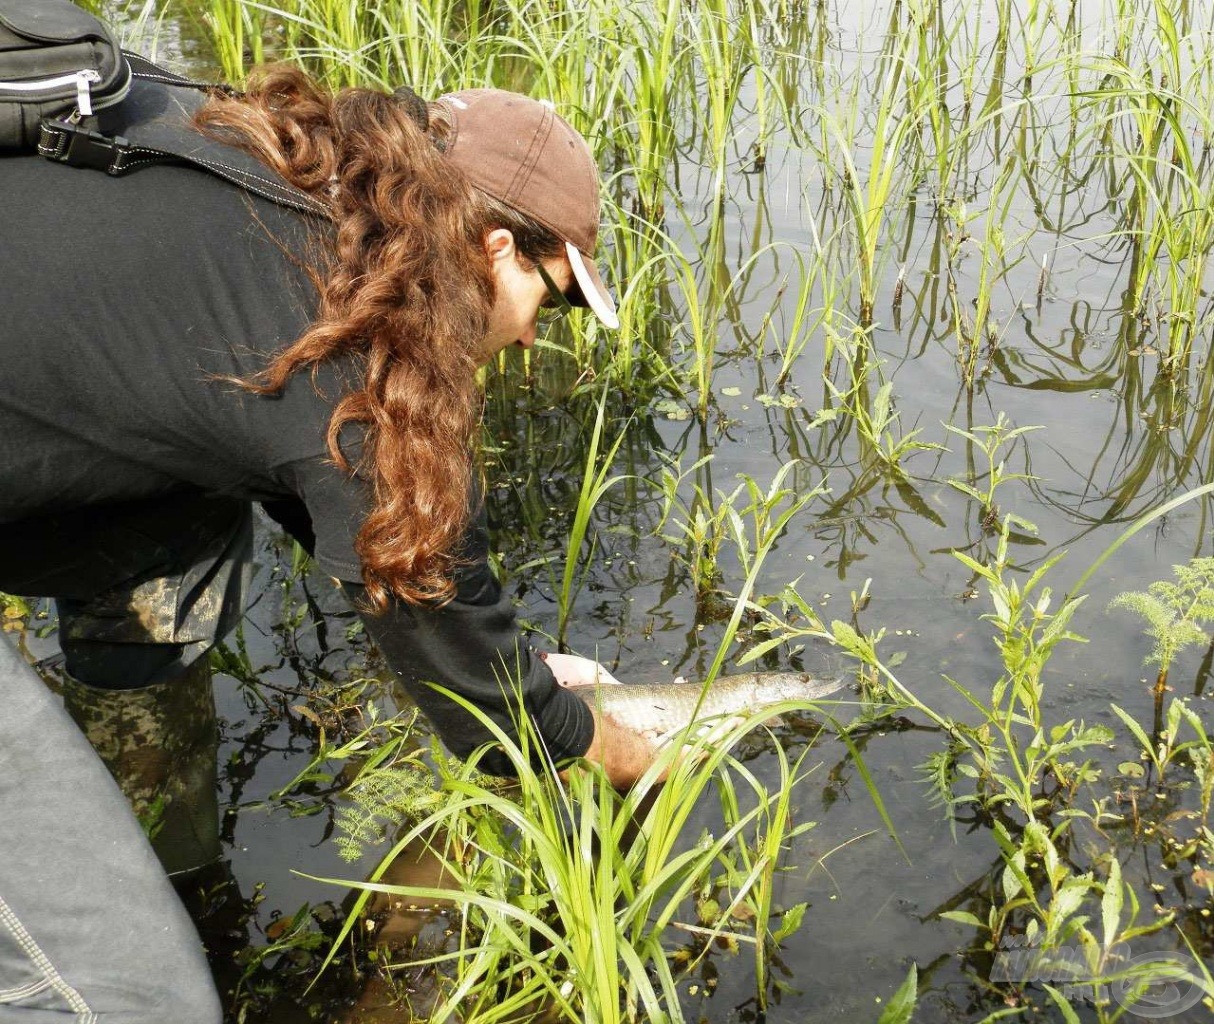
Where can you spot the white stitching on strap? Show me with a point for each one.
(11, 995)
(239, 170)
(26, 941)
(236, 175)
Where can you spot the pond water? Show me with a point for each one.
(1062, 350)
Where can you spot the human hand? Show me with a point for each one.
(625, 755)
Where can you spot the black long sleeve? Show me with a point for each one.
(472, 647)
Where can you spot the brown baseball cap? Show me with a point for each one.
(522, 153)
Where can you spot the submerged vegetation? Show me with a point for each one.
(916, 305)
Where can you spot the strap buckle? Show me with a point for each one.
(68, 143)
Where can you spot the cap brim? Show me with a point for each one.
(594, 292)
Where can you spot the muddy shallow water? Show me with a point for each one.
(1115, 441)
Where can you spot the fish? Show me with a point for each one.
(661, 710)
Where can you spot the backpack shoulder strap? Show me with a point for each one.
(152, 126)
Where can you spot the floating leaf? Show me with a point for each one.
(672, 409)
(731, 392)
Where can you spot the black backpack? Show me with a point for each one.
(70, 91)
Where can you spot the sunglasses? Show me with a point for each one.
(558, 303)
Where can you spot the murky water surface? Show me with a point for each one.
(1060, 352)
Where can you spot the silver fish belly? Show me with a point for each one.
(660, 709)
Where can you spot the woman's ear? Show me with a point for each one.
(499, 244)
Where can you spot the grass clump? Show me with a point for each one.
(567, 890)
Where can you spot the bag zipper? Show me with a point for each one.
(83, 79)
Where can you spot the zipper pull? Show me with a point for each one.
(84, 100)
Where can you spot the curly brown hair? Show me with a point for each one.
(405, 287)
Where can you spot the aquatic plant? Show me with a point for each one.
(901, 1008)
(596, 482)
(988, 440)
(722, 43)
(699, 525)
(566, 888)
(14, 611)
(236, 29)
(658, 49)
(1168, 745)
(870, 196)
(748, 518)
(1174, 612)
(872, 415)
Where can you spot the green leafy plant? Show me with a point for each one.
(699, 526)
(14, 612)
(596, 482)
(749, 519)
(901, 1008)
(989, 440)
(383, 795)
(1168, 745)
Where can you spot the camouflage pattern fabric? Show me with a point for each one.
(183, 611)
(160, 743)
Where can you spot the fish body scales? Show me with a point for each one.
(663, 708)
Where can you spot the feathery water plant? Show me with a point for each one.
(1174, 612)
